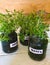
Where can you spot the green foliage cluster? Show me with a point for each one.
(38, 27)
(31, 24)
(8, 24)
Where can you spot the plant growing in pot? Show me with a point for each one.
(38, 39)
(24, 24)
(8, 36)
(24, 38)
(22, 20)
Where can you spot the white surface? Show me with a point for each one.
(22, 58)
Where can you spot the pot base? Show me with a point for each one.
(25, 43)
(36, 57)
(7, 49)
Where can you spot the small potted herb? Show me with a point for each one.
(8, 36)
(23, 22)
(38, 38)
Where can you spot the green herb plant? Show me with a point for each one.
(37, 27)
(32, 24)
(8, 24)
(23, 22)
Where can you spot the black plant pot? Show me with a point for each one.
(11, 45)
(37, 48)
(25, 42)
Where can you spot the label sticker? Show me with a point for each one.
(36, 51)
(13, 44)
(26, 38)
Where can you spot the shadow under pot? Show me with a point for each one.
(25, 41)
(37, 48)
(11, 45)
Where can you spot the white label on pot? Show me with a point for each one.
(13, 44)
(26, 38)
(36, 51)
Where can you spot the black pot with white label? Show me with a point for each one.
(25, 41)
(11, 45)
(37, 48)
